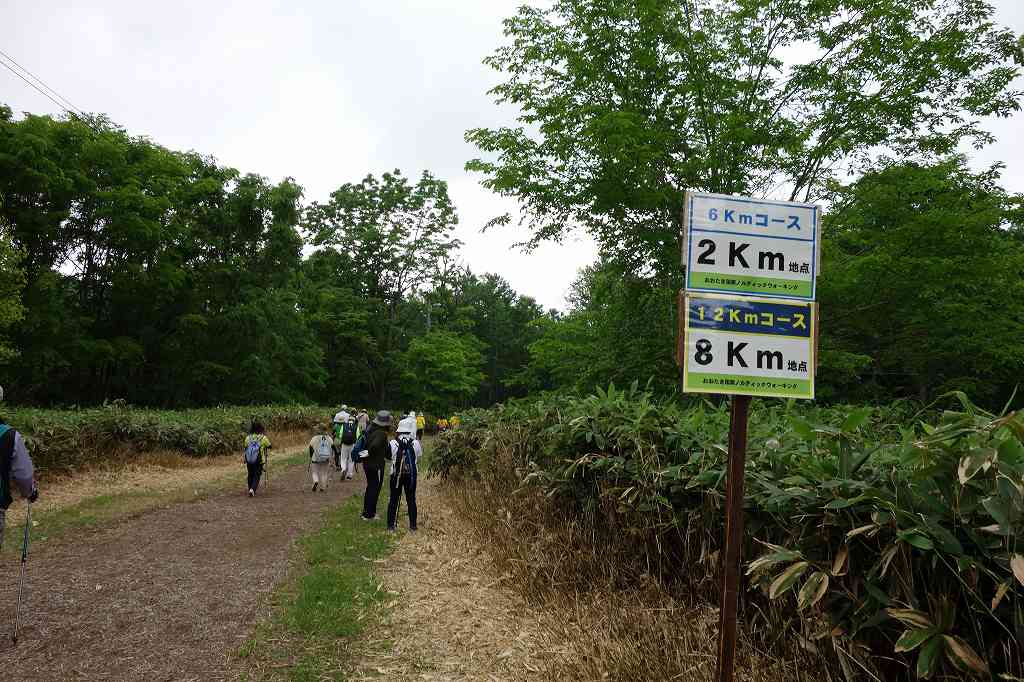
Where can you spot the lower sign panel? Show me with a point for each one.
(749, 346)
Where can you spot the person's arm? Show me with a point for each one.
(393, 456)
(22, 471)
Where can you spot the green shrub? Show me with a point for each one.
(62, 440)
(894, 539)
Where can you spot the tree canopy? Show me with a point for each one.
(128, 270)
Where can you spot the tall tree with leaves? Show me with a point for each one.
(12, 279)
(394, 232)
(926, 278)
(441, 371)
(626, 104)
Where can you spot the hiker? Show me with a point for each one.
(363, 421)
(342, 415)
(421, 423)
(442, 425)
(321, 451)
(348, 434)
(405, 456)
(16, 466)
(377, 450)
(256, 451)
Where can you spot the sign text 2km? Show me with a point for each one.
(749, 346)
(748, 246)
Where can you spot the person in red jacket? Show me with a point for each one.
(16, 467)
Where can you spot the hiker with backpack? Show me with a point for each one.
(348, 434)
(375, 452)
(16, 467)
(321, 452)
(405, 456)
(256, 452)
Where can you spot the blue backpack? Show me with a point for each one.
(252, 450)
(405, 462)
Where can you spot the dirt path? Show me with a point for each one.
(454, 618)
(170, 595)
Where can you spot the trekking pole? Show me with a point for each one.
(267, 472)
(21, 584)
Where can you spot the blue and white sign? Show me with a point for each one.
(739, 245)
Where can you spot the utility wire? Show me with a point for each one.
(74, 112)
(40, 90)
(41, 82)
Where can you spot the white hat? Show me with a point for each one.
(407, 425)
(340, 417)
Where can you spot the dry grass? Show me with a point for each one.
(600, 620)
(131, 474)
(455, 618)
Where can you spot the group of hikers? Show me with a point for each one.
(352, 437)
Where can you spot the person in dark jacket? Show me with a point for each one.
(16, 467)
(377, 451)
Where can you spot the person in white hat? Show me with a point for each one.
(405, 456)
(342, 415)
(16, 467)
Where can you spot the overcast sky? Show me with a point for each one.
(325, 92)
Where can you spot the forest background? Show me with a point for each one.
(132, 271)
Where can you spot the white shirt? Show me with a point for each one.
(417, 448)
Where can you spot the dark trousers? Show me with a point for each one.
(408, 484)
(374, 482)
(255, 471)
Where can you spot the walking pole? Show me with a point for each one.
(21, 584)
(267, 472)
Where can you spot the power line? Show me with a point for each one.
(40, 90)
(42, 83)
(74, 112)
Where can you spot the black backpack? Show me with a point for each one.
(348, 433)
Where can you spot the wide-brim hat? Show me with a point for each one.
(383, 418)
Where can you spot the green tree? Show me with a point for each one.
(926, 278)
(394, 232)
(626, 104)
(12, 280)
(441, 371)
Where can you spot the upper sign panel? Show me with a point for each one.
(750, 246)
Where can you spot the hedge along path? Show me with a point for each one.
(168, 595)
(149, 474)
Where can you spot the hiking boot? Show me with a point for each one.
(315, 484)
(252, 493)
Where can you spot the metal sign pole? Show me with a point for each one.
(733, 538)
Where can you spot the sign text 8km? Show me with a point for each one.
(749, 346)
(746, 246)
